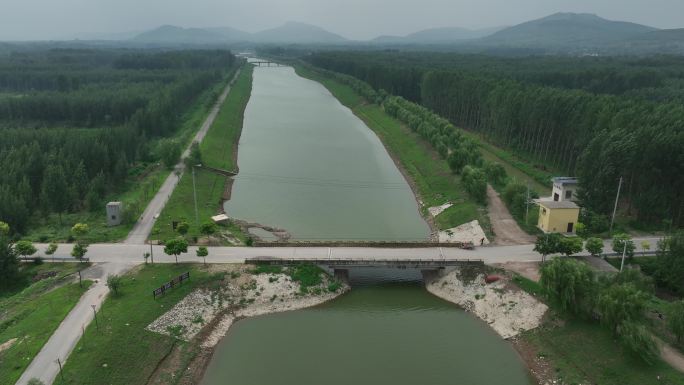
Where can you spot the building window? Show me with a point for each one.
(543, 211)
(568, 194)
(113, 217)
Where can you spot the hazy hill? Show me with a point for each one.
(436, 36)
(231, 34)
(173, 34)
(567, 29)
(298, 33)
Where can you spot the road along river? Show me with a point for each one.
(308, 165)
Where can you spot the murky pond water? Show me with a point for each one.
(310, 166)
(380, 333)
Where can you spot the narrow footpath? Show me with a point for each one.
(44, 366)
(143, 227)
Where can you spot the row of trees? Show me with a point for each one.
(600, 119)
(50, 167)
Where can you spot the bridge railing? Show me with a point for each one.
(363, 261)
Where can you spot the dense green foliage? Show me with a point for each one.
(669, 264)
(568, 283)
(74, 124)
(598, 118)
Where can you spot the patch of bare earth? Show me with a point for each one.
(505, 228)
(529, 270)
(541, 368)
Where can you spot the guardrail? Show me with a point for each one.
(368, 262)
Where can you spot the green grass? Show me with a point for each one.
(122, 351)
(217, 151)
(435, 182)
(31, 316)
(585, 352)
(136, 193)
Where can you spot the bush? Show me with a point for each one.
(38, 261)
(496, 173)
(114, 283)
(675, 319)
(621, 302)
(169, 152)
(638, 341)
(623, 242)
(594, 246)
(475, 183)
(334, 286)
(569, 283)
(307, 275)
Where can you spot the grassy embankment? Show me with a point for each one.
(30, 313)
(581, 351)
(430, 174)
(122, 351)
(141, 186)
(218, 151)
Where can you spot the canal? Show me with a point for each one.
(387, 331)
(308, 165)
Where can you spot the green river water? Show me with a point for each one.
(308, 165)
(381, 333)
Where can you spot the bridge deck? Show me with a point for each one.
(365, 262)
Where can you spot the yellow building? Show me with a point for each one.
(557, 216)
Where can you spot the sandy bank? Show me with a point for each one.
(507, 309)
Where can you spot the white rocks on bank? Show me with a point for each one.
(246, 296)
(507, 310)
(436, 210)
(467, 232)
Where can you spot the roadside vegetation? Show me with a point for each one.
(121, 349)
(32, 305)
(83, 127)
(603, 327)
(217, 150)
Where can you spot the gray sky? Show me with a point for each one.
(355, 19)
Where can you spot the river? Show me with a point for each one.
(310, 166)
(380, 333)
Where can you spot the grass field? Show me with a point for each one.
(136, 193)
(217, 151)
(435, 182)
(585, 352)
(122, 352)
(31, 313)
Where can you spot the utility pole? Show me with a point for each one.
(95, 316)
(624, 251)
(194, 194)
(151, 253)
(527, 202)
(617, 197)
(61, 374)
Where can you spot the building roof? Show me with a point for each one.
(565, 180)
(557, 204)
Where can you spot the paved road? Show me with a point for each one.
(44, 366)
(144, 226)
(126, 253)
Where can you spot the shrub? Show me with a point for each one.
(594, 246)
(638, 341)
(623, 242)
(569, 283)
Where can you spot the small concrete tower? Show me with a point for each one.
(114, 213)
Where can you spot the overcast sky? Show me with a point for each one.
(354, 19)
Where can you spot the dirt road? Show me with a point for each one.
(506, 229)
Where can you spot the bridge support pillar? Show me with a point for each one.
(342, 275)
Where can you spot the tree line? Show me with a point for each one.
(598, 119)
(65, 150)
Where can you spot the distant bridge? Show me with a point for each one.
(217, 170)
(266, 63)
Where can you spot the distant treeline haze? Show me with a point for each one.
(597, 118)
(73, 123)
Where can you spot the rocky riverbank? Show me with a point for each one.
(506, 308)
(245, 291)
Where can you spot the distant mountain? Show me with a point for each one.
(436, 36)
(173, 34)
(231, 34)
(288, 33)
(115, 36)
(561, 30)
(297, 33)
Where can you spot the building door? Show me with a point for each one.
(570, 225)
(556, 197)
